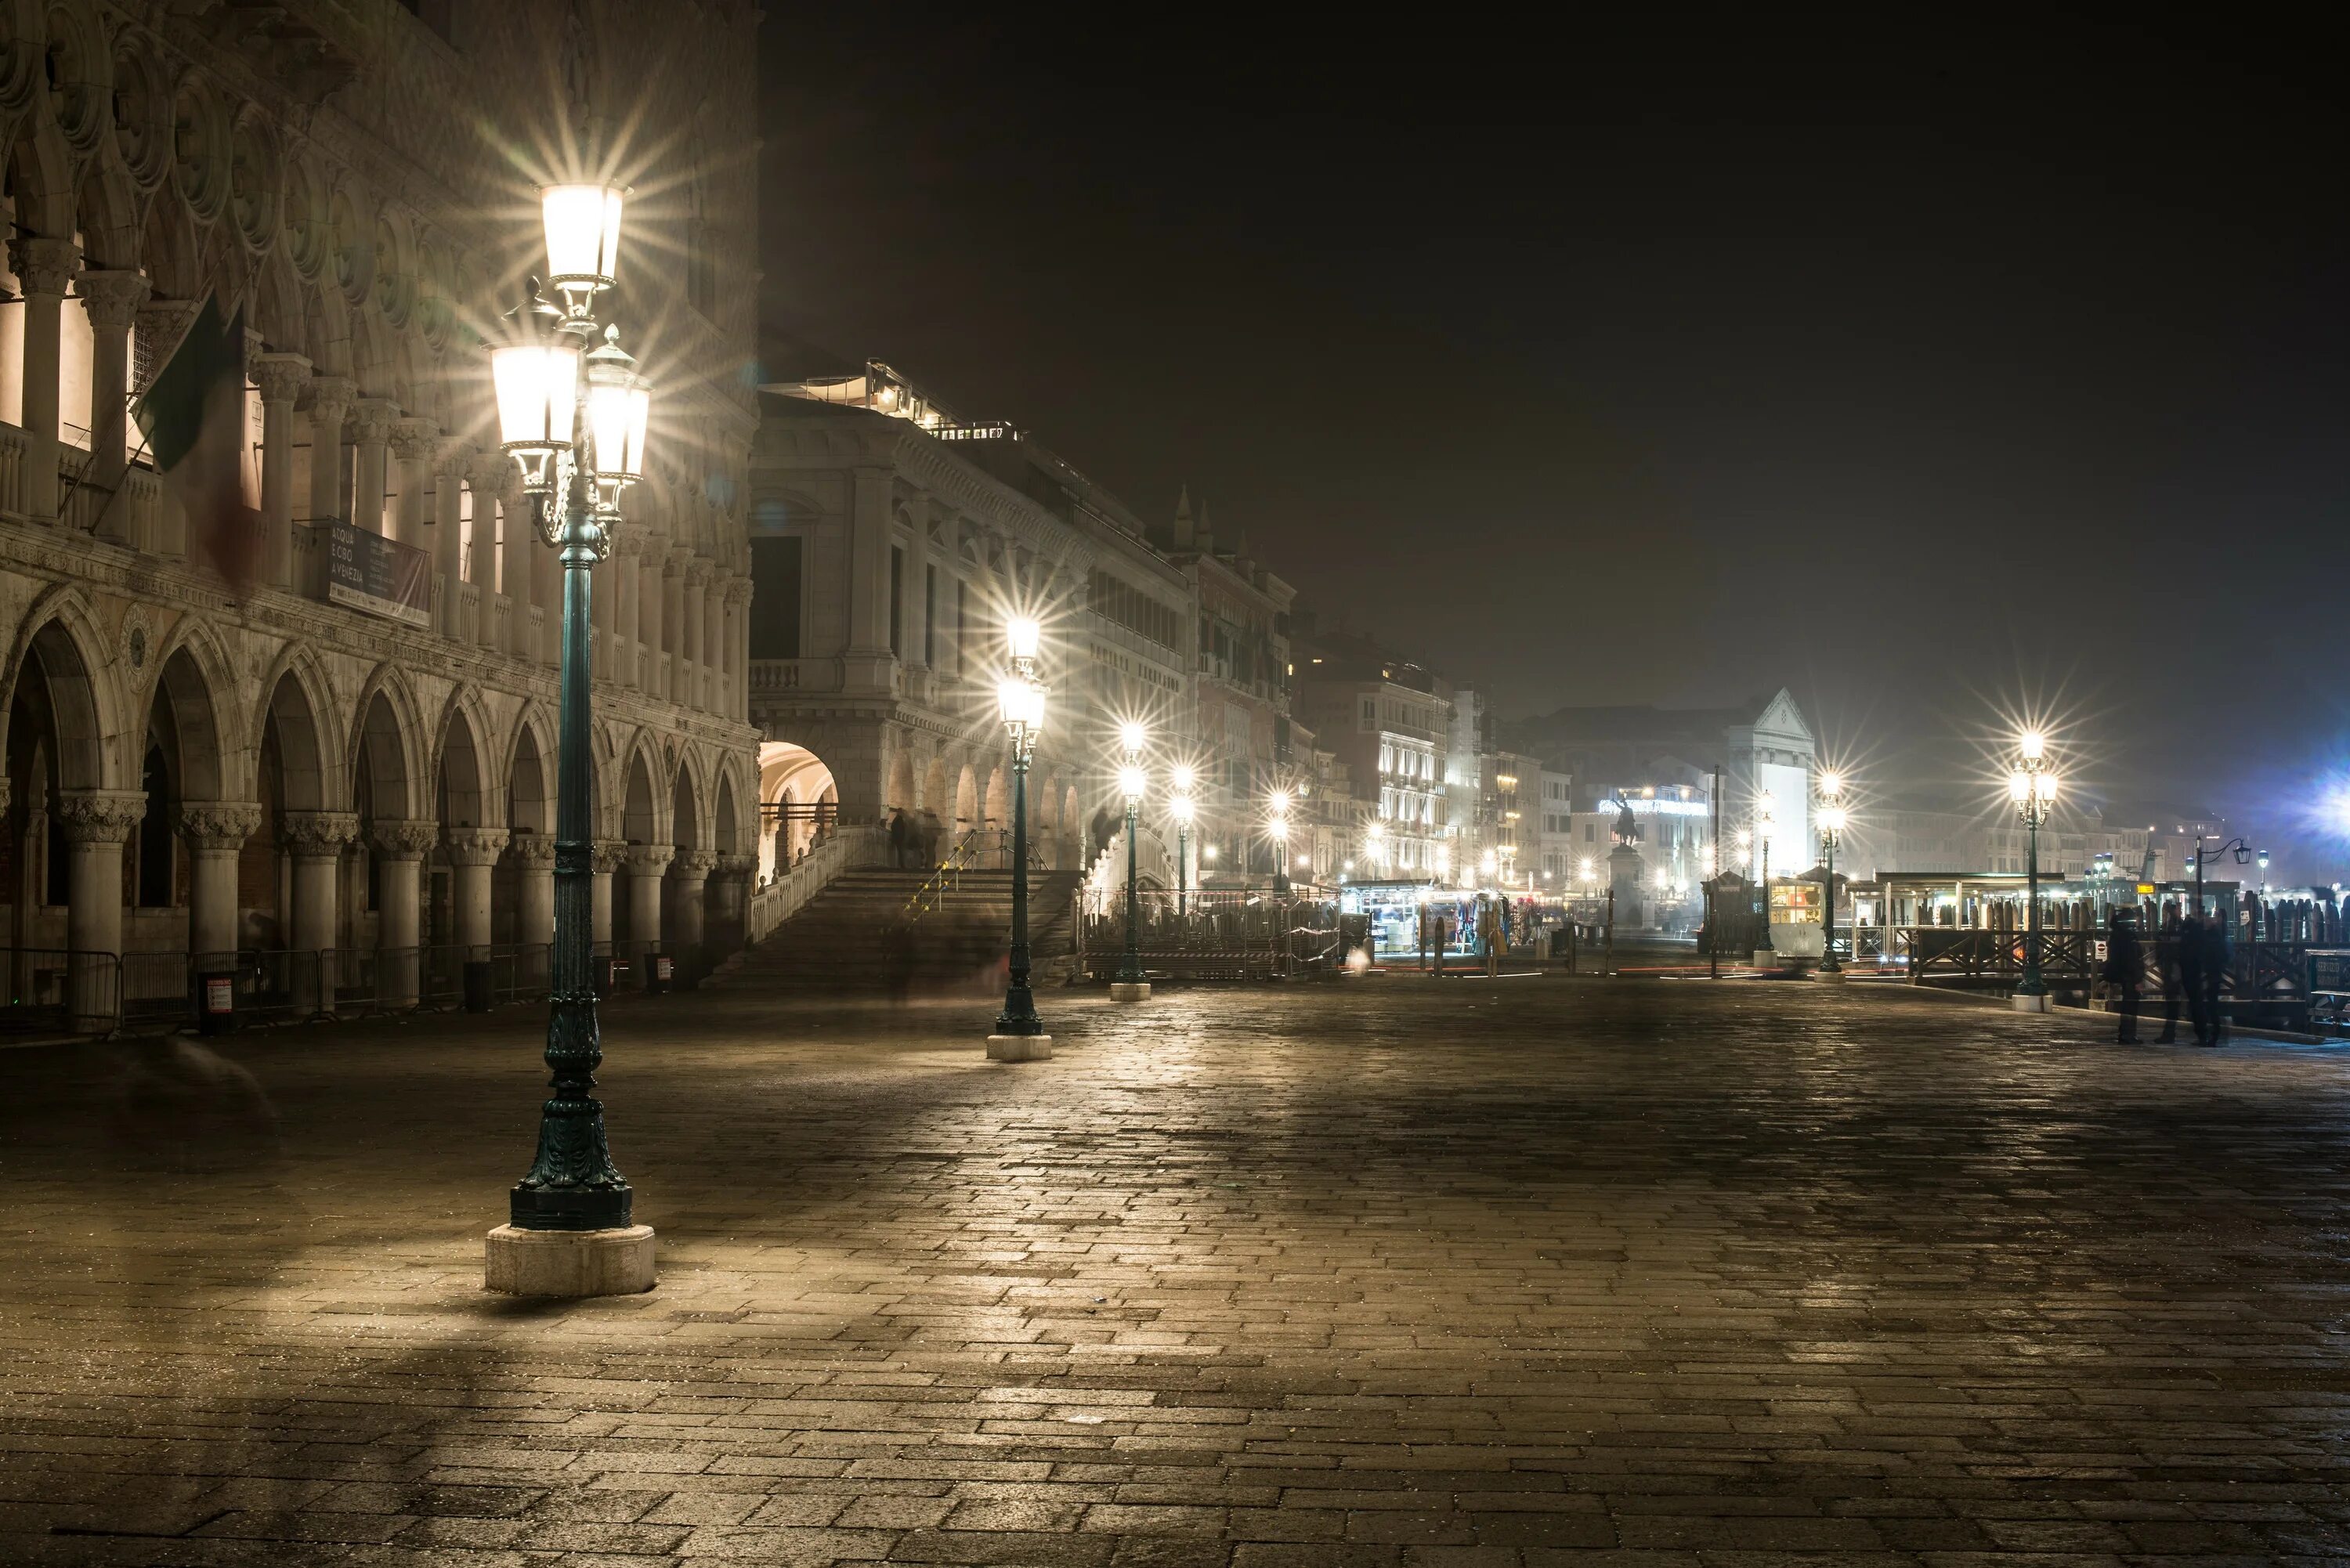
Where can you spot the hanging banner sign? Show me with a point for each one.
(382, 577)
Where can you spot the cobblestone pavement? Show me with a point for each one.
(1387, 1273)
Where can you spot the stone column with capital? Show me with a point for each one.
(95, 824)
(607, 855)
(111, 299)
(472, 852)
(216, 833)
(737, 651)
(627, 552)
(449, 530)
(652, 594)
(281, 378)
(695, 690)
(729, 900)
(372, 421)
(414, 444)
(316, 839)
(533, 857)
(43, 268)
(401, 846)
(331, 402)
(646, 863)
(689, 886)
(681, 561)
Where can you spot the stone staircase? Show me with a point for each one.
(858, 934)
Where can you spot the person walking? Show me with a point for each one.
(2215, 977)
(2125, 968)
(2191, 974)
(1104, 830)
(931, 830)
(898, 829)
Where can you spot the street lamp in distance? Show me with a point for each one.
(2032, 786)
(1020, 702)
(1181, 809)
(1130, 985)
(1831, 823)
(1276, 829)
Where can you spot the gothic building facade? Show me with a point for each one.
(203, 771)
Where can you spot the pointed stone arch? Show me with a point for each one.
(193, 644)
(531, 761)
(386, 754)
(60, 637)
(467, 787)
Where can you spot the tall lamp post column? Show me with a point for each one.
(1765, 819)
(1832, 821)
(574, 417)
(1277, 829)
(1130, 985)
(1020, 701)
(2032, 788)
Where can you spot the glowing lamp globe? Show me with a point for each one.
(583, 239)
(1131, 735)
(2018, 786)
(1024, 636)
(2033, 744)
(1181, 808)
(1130, 782)
(537, 389)
(620, 406)
(1181, 776)
(1022, 705)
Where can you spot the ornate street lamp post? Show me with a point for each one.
(1832, 821)
(1765, 819)
(1181, 809)
(1130, 985)
(2032, 788)
(574, 417)
(1020, 701)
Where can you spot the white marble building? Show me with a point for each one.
(194, 771)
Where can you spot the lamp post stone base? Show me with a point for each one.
(2030, 1001)
(1130, 990)
(568, 1263)
(1766, 958)
(1020, 1047)
(1828, 976)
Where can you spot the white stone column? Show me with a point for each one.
(652, 595)
(472, 852)
(628, 554)
(521, 543)
(372, 421)
(111, 300)
(608, 852)
(689, 877)
(449, 528)
(729, 902)
(401, 846)
(281, 378)
(414, 443)
(534, 855)
(316, 839)
(215, 833)
(95, 824)
(738, 648)
(330, 404)
(674, 627)
(646, 863)
(693, 678)
(43, 268)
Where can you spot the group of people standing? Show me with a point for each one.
(2193, 964)
(914, 840)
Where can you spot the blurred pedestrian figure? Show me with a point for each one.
(2125, 967)
(1103, 830)
(898, 829)
(2190, 976)
(2214, 1031)
(931, 829)
(1489, 933)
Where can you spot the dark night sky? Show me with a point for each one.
(1933, 378)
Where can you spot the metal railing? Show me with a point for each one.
(1207, 935)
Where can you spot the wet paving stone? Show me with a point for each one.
(1391, 1271)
